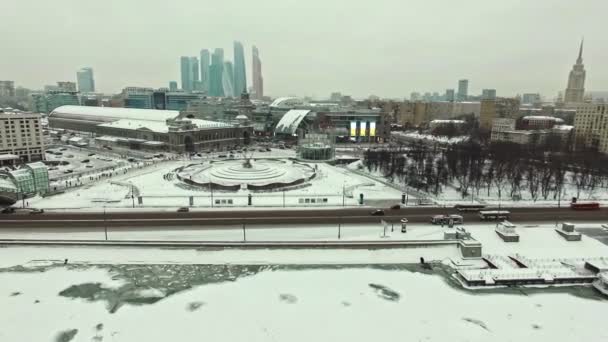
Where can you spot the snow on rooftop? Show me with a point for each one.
(154, 126)
(563, 127)
(290, 121)
(542, 117)
(118, 113)
(8, 156)
(448, 121)
(209, 124)
(286, 102)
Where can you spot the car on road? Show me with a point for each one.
(183, 210)
(377, 212)
(268, 149)
(91, 154)
(222, 156)
(85, 161)
(36, 211)
(9, 210)
(397, 206)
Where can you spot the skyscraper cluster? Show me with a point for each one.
(218, 77)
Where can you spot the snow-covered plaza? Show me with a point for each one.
(177, 183)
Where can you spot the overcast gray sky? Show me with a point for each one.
(313, 47)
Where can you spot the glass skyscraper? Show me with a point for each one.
(86, 83)
(186, 72)
(240, 74)
(205, 70)
(463, 90)
(258, 80)
(196, 83)
(216, 72)
(172, 86)
(227, 78)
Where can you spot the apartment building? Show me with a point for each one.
(21, 135)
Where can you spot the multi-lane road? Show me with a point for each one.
(217, 218)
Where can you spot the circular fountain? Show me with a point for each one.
(261, 174)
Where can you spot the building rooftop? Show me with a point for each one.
(8, 156)
(117, 113)
(541, 117)
(290, 121)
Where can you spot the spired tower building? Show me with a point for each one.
(575, 91)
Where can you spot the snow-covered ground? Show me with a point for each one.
(159, 187)
(450, 196)
(244, 303)
(151, 294)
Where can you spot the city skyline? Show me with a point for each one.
(480, 50)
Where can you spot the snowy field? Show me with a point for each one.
(159, 187)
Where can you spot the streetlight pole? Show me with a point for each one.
(105, 226)
(132, 196)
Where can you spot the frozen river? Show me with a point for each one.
(169, 302)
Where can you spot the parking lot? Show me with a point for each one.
(67, 161)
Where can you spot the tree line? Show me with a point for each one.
(506, 169)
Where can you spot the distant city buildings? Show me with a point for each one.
(216, 72)
(216, 76)
(186, 73)
(530, 99)
(66, 86)
(228, 79)
(258, 80)
(463, 90)
(46, 101)
(240, 73)
(488, 94)
(575, 91)
(196, 81)
(86, 82)
(7, 88)
(415, 96)
(205, 59)
(449, 95)
(173, 86)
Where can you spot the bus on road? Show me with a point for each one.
(494, 215)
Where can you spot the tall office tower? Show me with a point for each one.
(227, 79)
(86, 83)
(463, 90)
(196, 77)
(258, 80)
(530, 98)
(216, 71)
(186, 72)
(449, 95)
(488, 94)
(575, 91)
(240, 73)
(7, 88)
(173, 86)
(205, 70)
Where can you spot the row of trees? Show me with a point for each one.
(504, 170)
